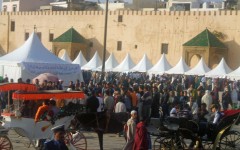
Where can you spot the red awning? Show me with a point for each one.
(47, 95)
(18, 86)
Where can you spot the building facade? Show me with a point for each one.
(23, 5)
(134, 32)
(191, 5)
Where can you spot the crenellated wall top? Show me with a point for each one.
(126, 12)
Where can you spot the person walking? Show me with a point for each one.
(130, 131)
(141, 136)
(147, 103)
(226, 99)
(120, 106)
(207, 99)
(92, 103)
(108, 107)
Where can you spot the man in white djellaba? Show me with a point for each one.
(207, 99)
(130, 131)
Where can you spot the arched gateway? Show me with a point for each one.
(72, 42)
(205, 45)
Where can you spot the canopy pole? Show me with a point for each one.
(105, 41)
(9, 101)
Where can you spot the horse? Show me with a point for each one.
(98, 121)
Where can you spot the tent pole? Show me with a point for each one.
(9, 101)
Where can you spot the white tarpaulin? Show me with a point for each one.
(220, 71)
(200, 69)
(143, 66)
(65, 57)
(93, 63)
(161, 66)
(235, 74)
(32, 59)
(110, 63)
(125, 66)
(80, 59)
(180, 68)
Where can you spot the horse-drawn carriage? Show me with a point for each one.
(73, 119)
(176, 132)
(27, 127)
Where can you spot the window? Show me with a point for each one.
(51, 37)
(4, 8)
(164, 49)
(14, 9)
(26, 35)
(39, 34)
(12, 26)
(119, 45)
(120, 18)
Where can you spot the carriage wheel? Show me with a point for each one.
(157, 143)
(5, 143)
(168, 143)
(208, 145)
(77, 140)
(231, 140)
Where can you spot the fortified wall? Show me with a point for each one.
(133, 32)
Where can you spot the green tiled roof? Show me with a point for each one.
(205, 39)
(70, 35)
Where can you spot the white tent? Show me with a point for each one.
(235, 74)
(80, 59)
(110, 63)
(161, 66)
(180, 68)
(125, 66)
(93, 63)
(32, 59)
(200, 69)
(65, 57)
(143, 66)
(220, 71)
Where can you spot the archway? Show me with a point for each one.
(215, 61)
(194, 60)
(61, 52)
(75, 54)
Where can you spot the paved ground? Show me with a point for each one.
(111, 141)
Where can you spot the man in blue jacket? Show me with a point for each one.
(58, 142)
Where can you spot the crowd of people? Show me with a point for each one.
(144, 96)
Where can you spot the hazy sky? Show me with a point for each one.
(0, 5)
(87, 0)
(109, 0)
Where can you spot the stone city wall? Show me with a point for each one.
(140, 31)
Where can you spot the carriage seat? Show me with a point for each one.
(224, 122)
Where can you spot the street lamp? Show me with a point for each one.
(105, 41)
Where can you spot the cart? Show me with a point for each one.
(26, 127)
(177, 130)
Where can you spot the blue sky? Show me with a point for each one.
(0, 5)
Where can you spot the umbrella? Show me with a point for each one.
(46, 76)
